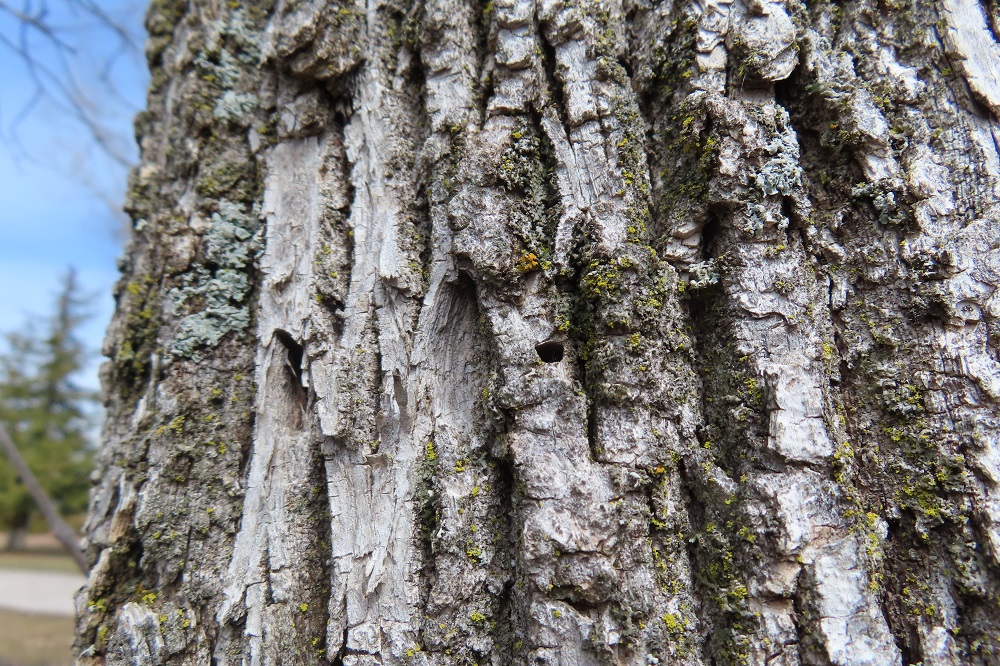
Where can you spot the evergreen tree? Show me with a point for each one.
(46, 412)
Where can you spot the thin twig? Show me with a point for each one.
(57, 82)
(36, 22)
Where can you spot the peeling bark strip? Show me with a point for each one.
(557, 333)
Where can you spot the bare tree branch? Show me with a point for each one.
(70, 99)
(97, 12)
(36, 21)
(62, 531)
(57, 81)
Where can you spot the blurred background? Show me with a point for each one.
(72, 76)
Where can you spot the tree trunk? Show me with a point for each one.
(550, 333)
(17, 538)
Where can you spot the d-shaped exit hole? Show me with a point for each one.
(550, 351)
(294, 351)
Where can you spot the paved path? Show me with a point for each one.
(48, 592)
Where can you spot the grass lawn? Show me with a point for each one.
(47, 561)
(34, 640)
(43, 553)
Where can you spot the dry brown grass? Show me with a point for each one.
(34, 640)
(27, 639)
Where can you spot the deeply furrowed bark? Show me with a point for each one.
(557, 333)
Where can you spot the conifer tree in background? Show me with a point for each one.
(46, 412)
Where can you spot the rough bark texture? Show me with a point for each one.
(557, 333)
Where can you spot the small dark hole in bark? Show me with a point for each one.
(550, 352)
(626, 65)
(710, 235)
(294, 350)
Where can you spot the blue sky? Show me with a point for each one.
(60, 194)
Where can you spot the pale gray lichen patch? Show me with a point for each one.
(245, 36)
(206, 328)
(781, 173)
(220, 65)
(231, 45)
(233, 236)
(754, 220)
(233, 239)
(223, 296)
(704, 273)
(234, 106)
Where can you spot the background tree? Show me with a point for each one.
(49, 417)
(556, 333)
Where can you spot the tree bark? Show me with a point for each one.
(556, 333)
